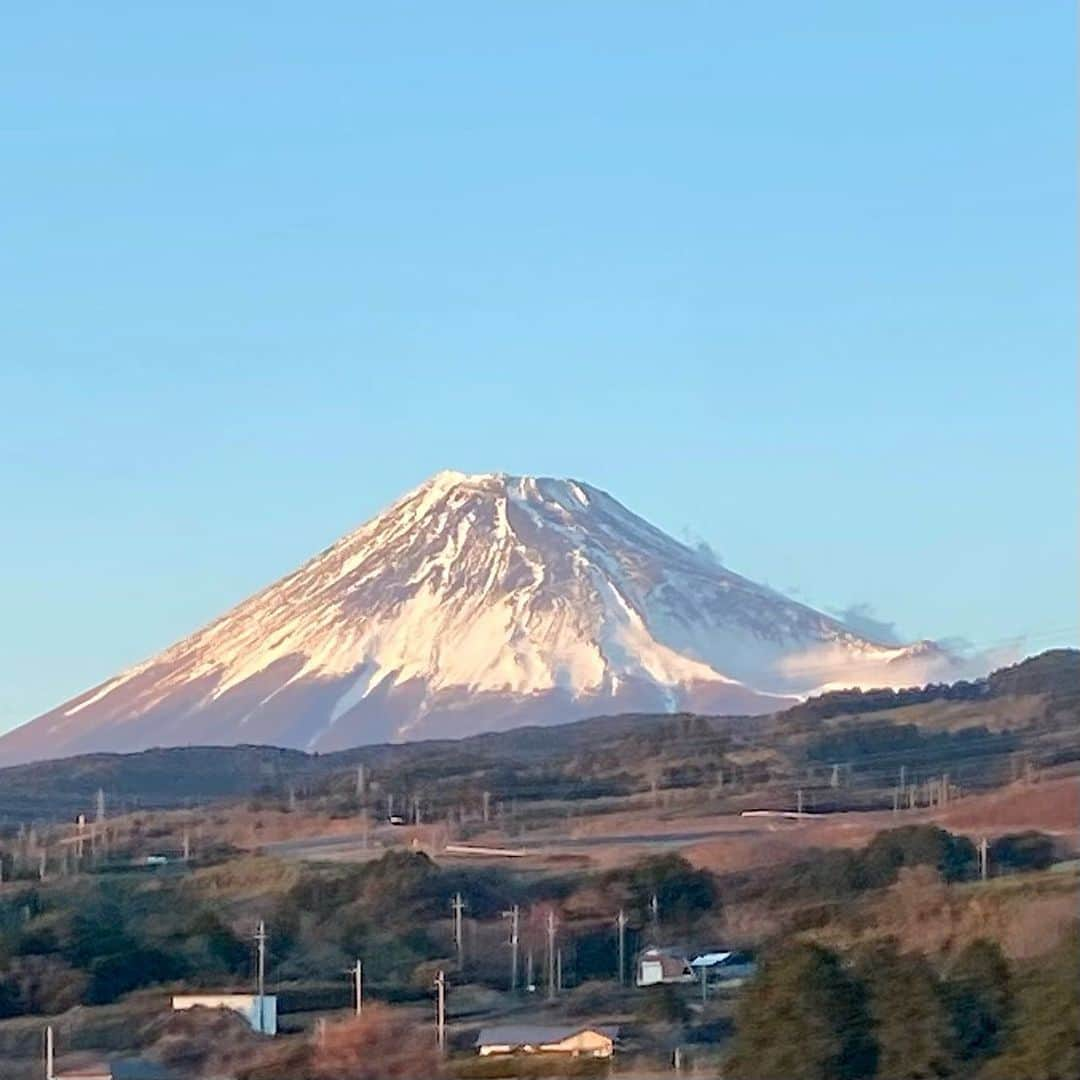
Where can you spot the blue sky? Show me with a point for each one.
(794, 279)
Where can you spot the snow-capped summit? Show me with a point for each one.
(475, 602)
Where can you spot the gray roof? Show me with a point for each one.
(537, 1034)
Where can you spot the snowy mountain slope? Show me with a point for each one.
(475, 602)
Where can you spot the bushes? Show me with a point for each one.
(1022, 851)
(513, 1066)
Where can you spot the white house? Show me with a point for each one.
(259, 1011)
(596, 1041)
(656, 965)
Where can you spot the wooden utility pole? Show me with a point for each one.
(260, 974)
(984, 849)
(620, 925)
(514, 915)
(50, 1054)
(551, 931)
(357, 972)
(457, 905)
(440, 1010)
(487, 807)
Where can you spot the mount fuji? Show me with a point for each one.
(476, 603)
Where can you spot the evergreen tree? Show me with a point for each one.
(980, 998)
(1043, 1038)
(910, 1015)
(803, 1017)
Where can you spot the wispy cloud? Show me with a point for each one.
(861, 619)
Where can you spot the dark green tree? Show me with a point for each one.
(954, 857)
(1022, 851)
(682, 892)
(980, 998)
(910, 1015)
(803, 1017)
(1043, 1038)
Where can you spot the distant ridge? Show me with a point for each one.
(173, 777)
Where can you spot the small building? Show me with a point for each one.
(597, 1041)
(721, 966)
(260, 1011)
(663, 965)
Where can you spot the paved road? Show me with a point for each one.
(352, 844)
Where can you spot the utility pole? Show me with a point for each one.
(984, 849)
(558, 970)
(50, 1053)
(834, 780)
(187, 845)
(440, 1010)
(358, 986)
(620, 924)
(654, 914)
(361, 782)
(457, 905)
(529, 970)
(487, 807)
(514, 915)
(799, 802)
(260, 975)
(551, 954)
(100, 806)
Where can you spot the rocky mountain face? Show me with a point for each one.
(477, 603)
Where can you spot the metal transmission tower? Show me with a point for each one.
(514, 915)
(457, 905)
(620, 926)
(440, 1010)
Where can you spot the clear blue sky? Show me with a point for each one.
(795, 279)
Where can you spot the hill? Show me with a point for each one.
(979, 732)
